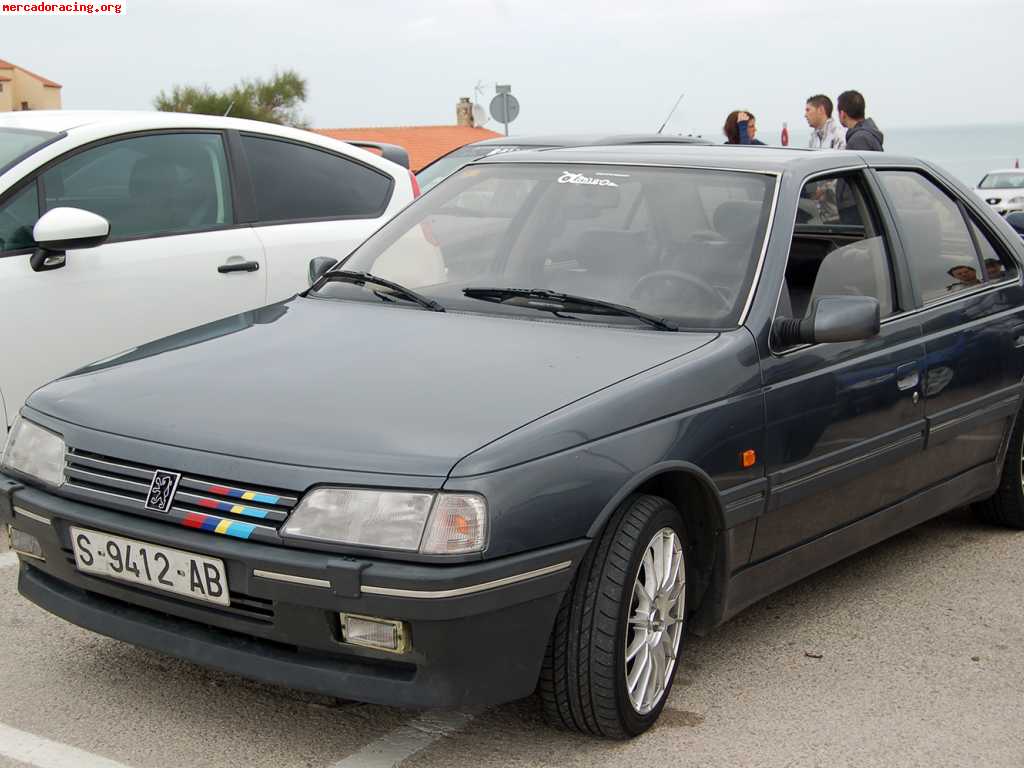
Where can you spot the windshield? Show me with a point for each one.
(680, 244)
(1002, 181)
(16, 143)
(447, 165)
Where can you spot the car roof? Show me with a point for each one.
(116, 121)
(721, 156)
(112, 122)
(587, 140)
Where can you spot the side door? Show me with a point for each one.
(972, 319)
(175, 257)
(844, 421)
(309, 202)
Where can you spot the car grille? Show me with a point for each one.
(199, 502)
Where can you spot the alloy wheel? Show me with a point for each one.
(654, 626)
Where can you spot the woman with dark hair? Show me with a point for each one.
(741, 128)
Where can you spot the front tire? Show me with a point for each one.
(1006, 506)
(614, 649)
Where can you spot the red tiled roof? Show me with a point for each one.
(45, 81)
(424, 143)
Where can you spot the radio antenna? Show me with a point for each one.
(671, 113)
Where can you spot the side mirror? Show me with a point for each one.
(64, 229)
(319, 266)
(831, 319)
(1016, 220)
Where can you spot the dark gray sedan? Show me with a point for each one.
(565, 407)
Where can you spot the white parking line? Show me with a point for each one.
(43, 753)
(391, 749)
(8, 558)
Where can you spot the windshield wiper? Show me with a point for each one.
(552, 301)
(361, 278)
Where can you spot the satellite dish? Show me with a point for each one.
(480, 115)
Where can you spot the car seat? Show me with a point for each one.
(858, 269)
(153, 189)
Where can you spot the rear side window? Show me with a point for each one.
(293, 182)
(145, 186)
(998, 266)
(939, 245)
(17, 217)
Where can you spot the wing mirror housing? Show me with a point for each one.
(319, 266)
(65, 229)
(1016, 220)
(831, 319)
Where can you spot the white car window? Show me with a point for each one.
(147, 185)
(294, 182)
(17, 217)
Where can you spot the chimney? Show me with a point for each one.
(464, 112)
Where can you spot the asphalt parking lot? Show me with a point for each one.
(909, 654)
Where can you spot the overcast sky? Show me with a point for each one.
(574, 64)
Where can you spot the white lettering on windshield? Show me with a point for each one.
(568, 177)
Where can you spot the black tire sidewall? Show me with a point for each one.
(666, 516)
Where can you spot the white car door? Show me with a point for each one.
(174, 259)
(312, 202)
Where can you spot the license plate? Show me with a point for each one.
(139, 562)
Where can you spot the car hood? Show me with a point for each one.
(1003, 193)
(353, 386)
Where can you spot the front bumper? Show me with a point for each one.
(478, 630)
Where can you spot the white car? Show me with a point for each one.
(117, 228)
(1003, 190)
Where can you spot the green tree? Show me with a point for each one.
(277, 100)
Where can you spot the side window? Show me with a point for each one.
(998, 266)
(837, 248)
(939, 246)
(148, 185)
(17, 217)
(295, 182)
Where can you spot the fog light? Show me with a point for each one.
(382, 634)
(25, 543)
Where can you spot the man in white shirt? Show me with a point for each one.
(826, 133)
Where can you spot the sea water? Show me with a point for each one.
(967, 152)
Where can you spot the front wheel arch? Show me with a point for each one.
(695, 495)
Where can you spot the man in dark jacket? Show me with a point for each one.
(861, 134)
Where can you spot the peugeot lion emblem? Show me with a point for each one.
(161, 490)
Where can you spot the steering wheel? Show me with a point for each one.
(693, 282)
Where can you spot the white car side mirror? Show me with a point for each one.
(65, 229)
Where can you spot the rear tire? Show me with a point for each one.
(614, 649)
(1006, 506)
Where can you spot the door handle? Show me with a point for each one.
(1018, 337)
(908, 376)
(238, 266)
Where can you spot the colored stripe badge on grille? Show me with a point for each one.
(238, 493)
(217, 525)
(235, 509)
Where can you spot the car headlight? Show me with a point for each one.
(428, 523)
(34, 451)
(1015, 201)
